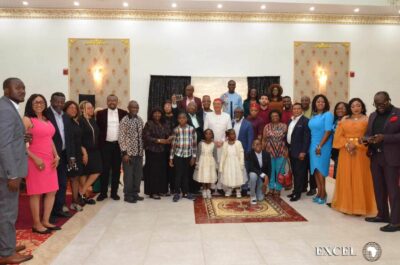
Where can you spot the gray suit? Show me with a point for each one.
(13, 164)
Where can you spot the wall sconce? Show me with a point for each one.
(97, 74)
(322, 78)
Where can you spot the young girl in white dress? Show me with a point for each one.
(206, 165)
(231, 167)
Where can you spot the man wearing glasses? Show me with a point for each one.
(383, 138)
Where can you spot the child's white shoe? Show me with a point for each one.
(253, 200)
(204, 193)
(228, 193)
(208, 193)
(238, 193)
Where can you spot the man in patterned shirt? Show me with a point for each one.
(183, 156)
(131, 145)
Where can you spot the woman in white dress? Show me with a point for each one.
(206, 163)
(232, 171)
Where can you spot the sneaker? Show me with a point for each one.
(238, 193)
(228, 193)
(208, 193)
(176, 197)
(204, 193)
(253, 200)
(76, 207)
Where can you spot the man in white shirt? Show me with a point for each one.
(108, 121)
(298, 140)
(219, 122)
(206, 105)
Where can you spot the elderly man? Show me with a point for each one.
(131, 145)
(206, 105)
(243, 129)
(219, 122)
(383, 137)
(13, 167)
(231, 99)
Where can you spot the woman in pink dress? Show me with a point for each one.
(42, 164)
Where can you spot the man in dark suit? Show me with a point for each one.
(259, 169)
(243, 129)
(189, 97)
(108, 121)
(13, 167)
(298, 140)
(195, 119)
(383, 137)
(64, 144)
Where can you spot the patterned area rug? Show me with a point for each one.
(233, 210)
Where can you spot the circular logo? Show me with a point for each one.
(372, 251)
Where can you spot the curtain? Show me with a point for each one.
(261, 83)
(163, 87)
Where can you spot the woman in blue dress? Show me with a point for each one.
(321, 144)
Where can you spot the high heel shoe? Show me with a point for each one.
(315, 199)
(321, 201)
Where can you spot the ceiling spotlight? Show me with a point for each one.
(125, 4)
(356, 10)
(174, 5)
(312, 8)
(76, 3)
(25, 3)
(263, 7)
(219, 6)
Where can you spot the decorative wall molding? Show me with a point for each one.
(21, 13)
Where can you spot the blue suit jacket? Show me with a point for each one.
(246, 135)
(301, 138)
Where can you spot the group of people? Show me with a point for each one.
(188, 148)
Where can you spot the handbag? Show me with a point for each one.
(286, 179)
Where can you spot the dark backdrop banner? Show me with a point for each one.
(162, 87)
(261, 83)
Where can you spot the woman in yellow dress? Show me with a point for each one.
(354, 191)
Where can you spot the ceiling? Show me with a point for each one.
(345, 7)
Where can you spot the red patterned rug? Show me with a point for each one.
(233, 210)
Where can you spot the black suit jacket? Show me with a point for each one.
(199, 131)
(102, 122)
(254, 166)
(68, 134)
(301, 138)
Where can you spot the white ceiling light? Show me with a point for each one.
(76, 3)
(174, 5)
(399, 11)
(25, 3)
(125, 4)
(356, 10)
(219, 6)
(263, 7)
(312, 8)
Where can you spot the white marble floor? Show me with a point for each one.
(163, 233)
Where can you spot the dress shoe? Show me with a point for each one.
(176, 197)
(16, 258)
(155, 197)
(390, 228)
(101, 197)
(130, 200)
(115, 197)
(62, 214)
(291, 195)
(138, 198)
(19, 248)
(53, 228)
(376, 219)
(44, 232)
(311, 192)
(295, 198)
